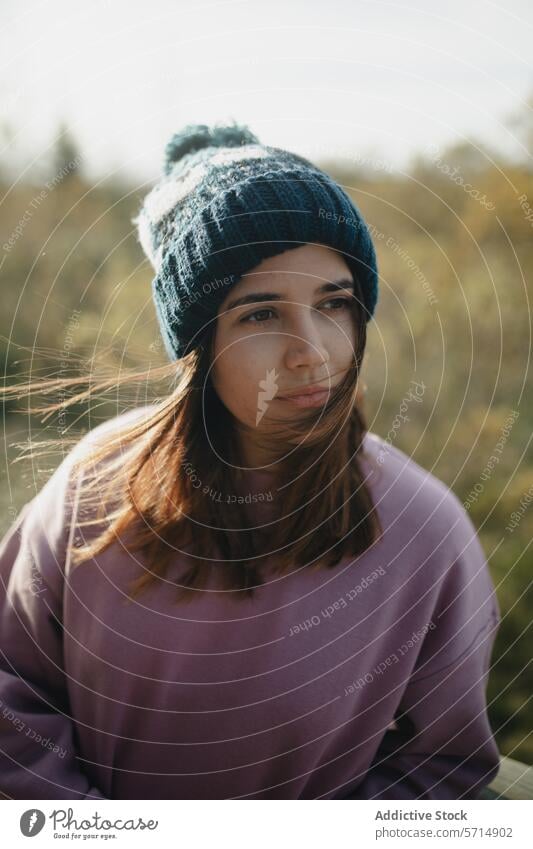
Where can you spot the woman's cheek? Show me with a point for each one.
(263, 350)
(237, 382)
(341, 341)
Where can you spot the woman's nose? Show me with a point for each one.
(304, 343)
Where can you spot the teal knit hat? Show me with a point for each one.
(224, 203)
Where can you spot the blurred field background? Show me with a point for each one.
(454, 314)
(467, 341)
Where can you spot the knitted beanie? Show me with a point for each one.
(224, 203)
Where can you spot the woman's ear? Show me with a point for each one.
(360, 391)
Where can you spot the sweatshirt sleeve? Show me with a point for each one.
(38, 758)
(442, 746)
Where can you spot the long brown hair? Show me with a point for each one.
(148, 497)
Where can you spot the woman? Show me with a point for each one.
(239, 591)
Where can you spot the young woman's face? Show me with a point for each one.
(296, 329)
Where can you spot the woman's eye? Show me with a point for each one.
(341, 302)
(255, 317)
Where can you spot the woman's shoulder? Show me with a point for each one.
(407, 492)
(56, 497)
(107, 428)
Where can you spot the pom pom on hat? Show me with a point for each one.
(196, 137)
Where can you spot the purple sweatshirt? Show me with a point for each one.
(367, 681)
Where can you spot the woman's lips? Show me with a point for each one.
(310, 399)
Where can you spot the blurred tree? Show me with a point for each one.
(66, 155)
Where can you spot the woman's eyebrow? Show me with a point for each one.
(258, 297)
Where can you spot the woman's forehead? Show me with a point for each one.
(290, 271)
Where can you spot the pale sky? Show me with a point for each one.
(328, 80)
